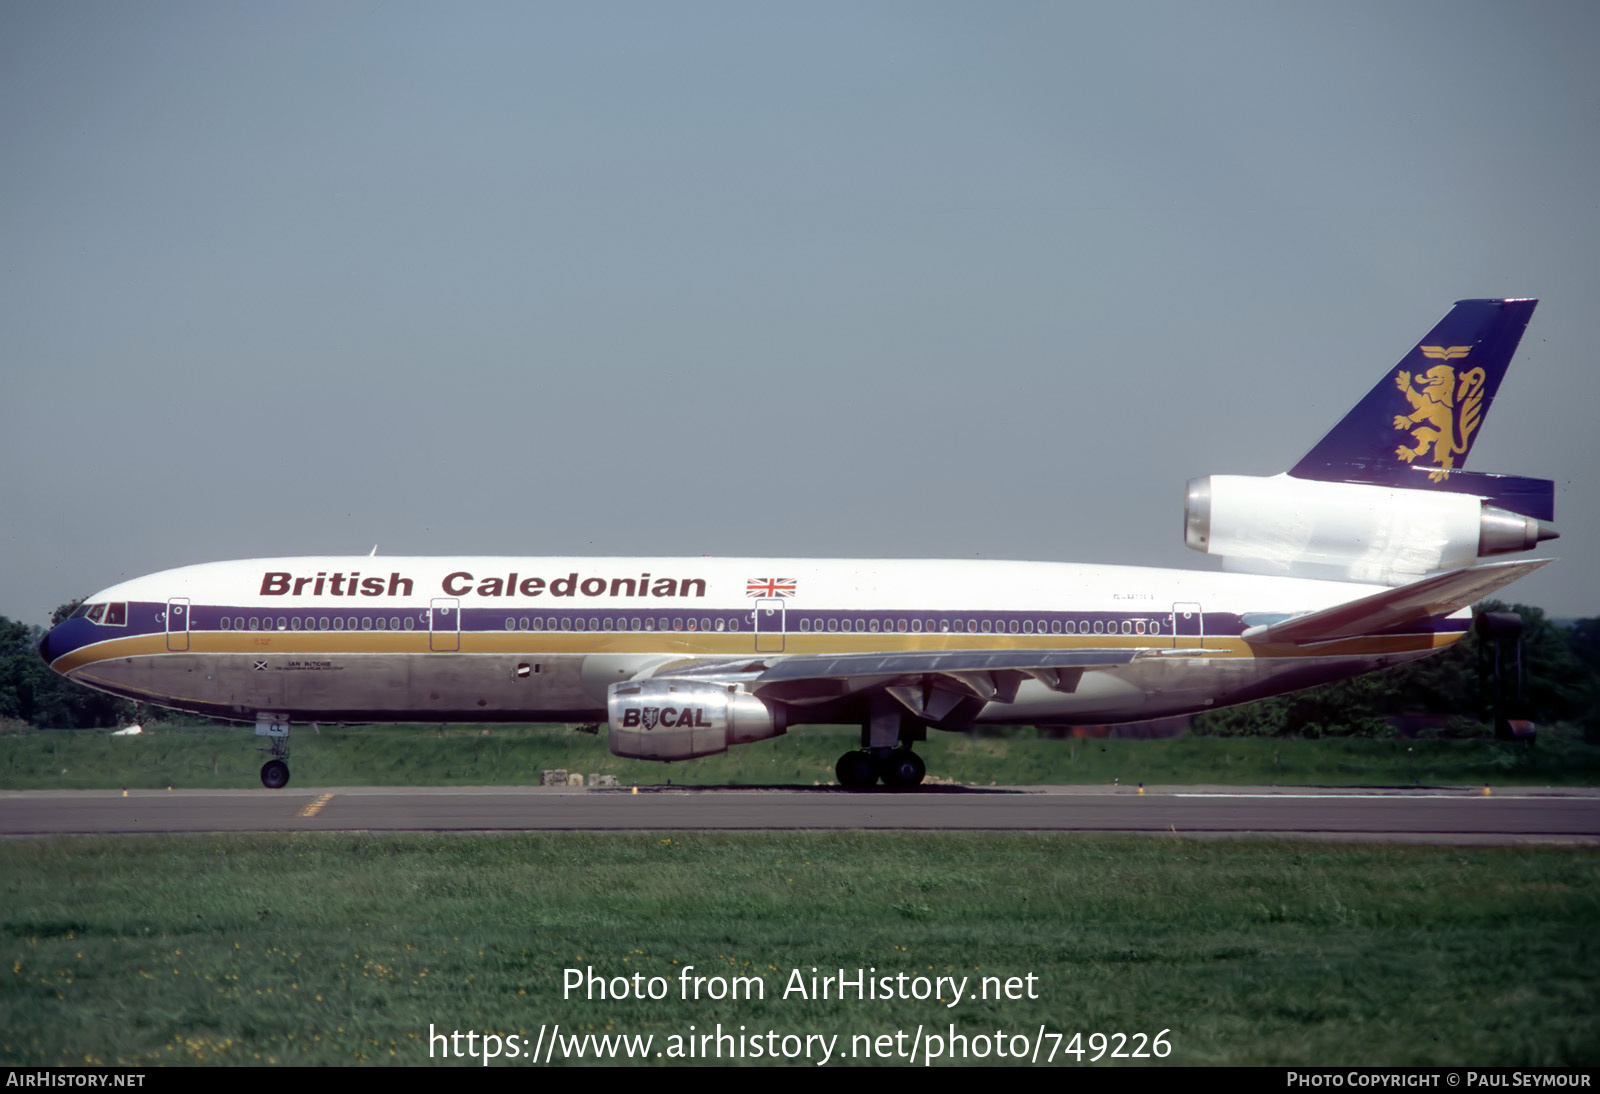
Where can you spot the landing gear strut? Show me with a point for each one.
(275, 728)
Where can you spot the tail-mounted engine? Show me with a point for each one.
(676, 720)
(1350, 531)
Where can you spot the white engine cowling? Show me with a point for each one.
(678, 720)
(1347, 531)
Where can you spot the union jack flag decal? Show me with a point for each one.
(770, 586)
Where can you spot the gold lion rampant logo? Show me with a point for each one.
(1445, 410)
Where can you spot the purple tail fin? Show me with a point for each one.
(1415, 429)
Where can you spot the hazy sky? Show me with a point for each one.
(876, 279)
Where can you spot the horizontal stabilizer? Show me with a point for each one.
(1421, 600)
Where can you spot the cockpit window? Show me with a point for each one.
(117, 614)
(96, 612)
(83, 610)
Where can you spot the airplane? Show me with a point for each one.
(1365, 554)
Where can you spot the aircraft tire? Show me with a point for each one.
(274, 774)
(902, 769)
(856, 771)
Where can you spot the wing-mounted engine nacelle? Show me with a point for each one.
(1350, 531)
(675, 720)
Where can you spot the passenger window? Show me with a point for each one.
(677, 624)
(635, 624)
(410, 623)
(985, 626)
(609, 624)
(294, 623)
(1155, 628)
(719, 624)
(1099, 627)
(352, 624)
(873, 626)
(916, 626)
(1055, 626)
(511, 624)
(1027, 627)
(733, 624)
(338, 623)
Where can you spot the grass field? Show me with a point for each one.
(348, 948)
(515, 755)
(344, 948)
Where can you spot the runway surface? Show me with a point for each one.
(1434, 816)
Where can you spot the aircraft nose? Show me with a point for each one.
(44, 648)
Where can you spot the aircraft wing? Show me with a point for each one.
(979, 674)
(1433, 596)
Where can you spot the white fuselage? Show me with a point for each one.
(535, 639)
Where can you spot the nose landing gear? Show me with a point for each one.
(275, 728)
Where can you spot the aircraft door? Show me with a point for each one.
(769, 625)
(178, 623)
(1188, 627)
(444, 624)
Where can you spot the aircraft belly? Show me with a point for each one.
(1163, 687)
(442, 686)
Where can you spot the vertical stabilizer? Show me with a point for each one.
(1419, 423)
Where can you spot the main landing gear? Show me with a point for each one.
(275, 728)
(899, 768)
(884, 753)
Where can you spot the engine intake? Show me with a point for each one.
(674, 720)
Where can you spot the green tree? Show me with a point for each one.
(1558, 686)
(30, 692)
